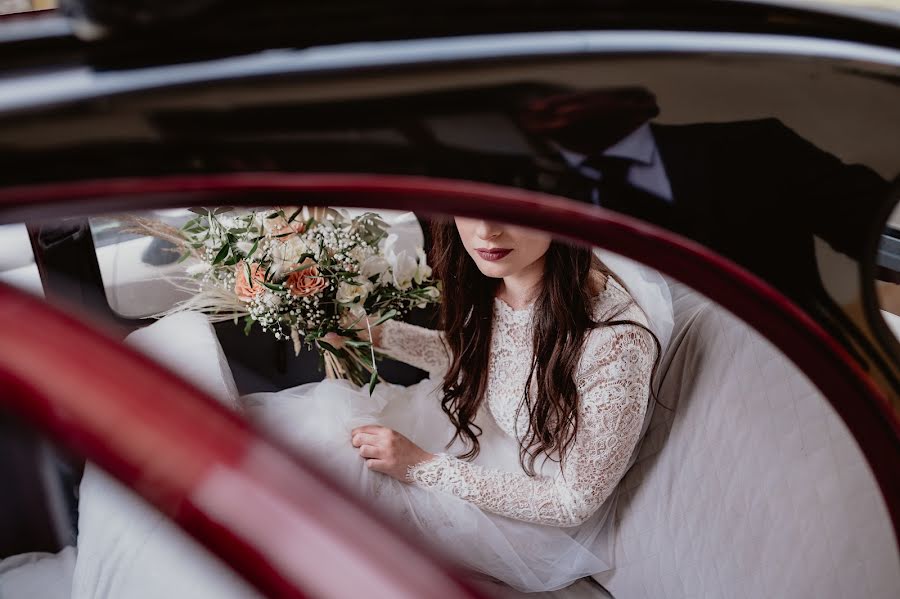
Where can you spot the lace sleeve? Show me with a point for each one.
(614, 383)
(416, 346)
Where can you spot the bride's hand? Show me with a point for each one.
(376, 334)
(338, 341)
(387, 451)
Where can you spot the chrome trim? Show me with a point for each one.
(70, 85)
(27, 28)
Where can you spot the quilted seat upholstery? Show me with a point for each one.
(751, 486)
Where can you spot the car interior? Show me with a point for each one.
(722, 388)
(748, 481)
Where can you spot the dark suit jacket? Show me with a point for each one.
(757, 192)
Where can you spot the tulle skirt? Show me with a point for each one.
(317, 419)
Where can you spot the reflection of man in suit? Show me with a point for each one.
(753, 190)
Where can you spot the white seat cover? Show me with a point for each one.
(753, 487)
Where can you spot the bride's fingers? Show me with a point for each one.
(367, 428)
(360, 439)
(377, 465)
(370, 451)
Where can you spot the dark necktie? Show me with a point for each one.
(613, 191)
(613, 186)
(559, 178)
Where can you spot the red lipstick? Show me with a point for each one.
(493, 254)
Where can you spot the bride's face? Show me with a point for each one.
(501, 250)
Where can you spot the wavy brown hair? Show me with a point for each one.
(562, 318)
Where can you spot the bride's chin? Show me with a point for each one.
(492, 271)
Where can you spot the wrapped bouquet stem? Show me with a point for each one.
(306, 275)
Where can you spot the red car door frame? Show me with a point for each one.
(127, 415)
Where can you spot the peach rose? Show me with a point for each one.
(307, 281)
(281, 226)
(247, 290)
(285, 228)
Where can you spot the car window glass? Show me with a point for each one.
(139, 271)
(719, 388)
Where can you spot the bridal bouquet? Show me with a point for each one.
(301, 274)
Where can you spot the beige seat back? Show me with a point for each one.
(752, 486)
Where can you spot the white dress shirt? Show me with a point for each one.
(647, 171)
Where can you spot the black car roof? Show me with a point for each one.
(125, 34)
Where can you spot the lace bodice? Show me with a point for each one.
(613, 379)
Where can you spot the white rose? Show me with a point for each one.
(423, 271)
(398, 244)
(286, 254)
(403, 269)
(374, 266)
(245, 246)
(348, 293)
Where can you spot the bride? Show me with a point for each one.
(507, 457)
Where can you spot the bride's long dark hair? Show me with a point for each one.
(562, 317)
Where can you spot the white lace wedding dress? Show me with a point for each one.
(533, 533)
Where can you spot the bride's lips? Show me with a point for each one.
(493, 254)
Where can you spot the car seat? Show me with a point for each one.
(749, 484)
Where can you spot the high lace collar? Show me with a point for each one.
(509, 314)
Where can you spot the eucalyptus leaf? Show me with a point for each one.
(222, 254)
(300, 268)
(190, 224)
(328, 347)
(373, 381)
(385, 317)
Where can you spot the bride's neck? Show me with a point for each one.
(520, 289)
